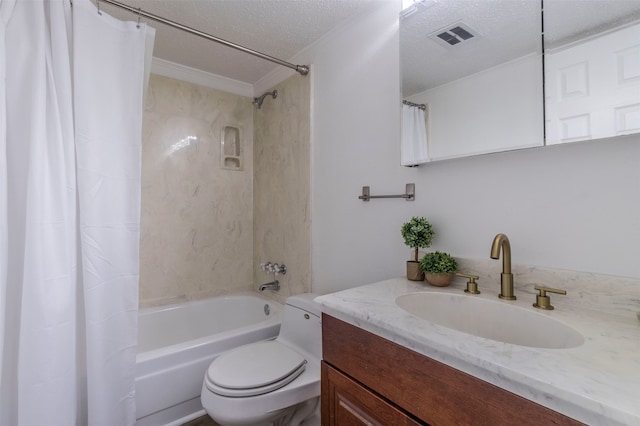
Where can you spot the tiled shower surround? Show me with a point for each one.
(197, 219)
(281, 186)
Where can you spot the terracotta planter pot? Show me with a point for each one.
(413, 271)
(439, 280)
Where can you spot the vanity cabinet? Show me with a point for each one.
(368, 380)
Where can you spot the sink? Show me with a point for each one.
(490, 319)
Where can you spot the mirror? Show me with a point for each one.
(477, 66)
(592, 69)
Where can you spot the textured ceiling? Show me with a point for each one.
(570, 20)
(279, 28)
(507, 29)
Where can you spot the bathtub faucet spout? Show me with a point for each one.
(273, 285)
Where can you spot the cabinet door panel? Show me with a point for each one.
(347, 403)
(593, 87)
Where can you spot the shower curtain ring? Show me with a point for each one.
(139, 12)
(98, 4)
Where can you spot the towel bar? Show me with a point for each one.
(409, 193)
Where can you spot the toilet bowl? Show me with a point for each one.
(275, 382)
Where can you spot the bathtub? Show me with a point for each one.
(177, 343)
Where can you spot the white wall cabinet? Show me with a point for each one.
(593, 87)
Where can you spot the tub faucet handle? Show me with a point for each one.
(265, 267)
(273, 268)
(279, 269)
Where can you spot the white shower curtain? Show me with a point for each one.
(71, 93)
(413, 137)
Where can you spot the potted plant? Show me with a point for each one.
(438, 268)
(417, 234)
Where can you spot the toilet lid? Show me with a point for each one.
(254, 369)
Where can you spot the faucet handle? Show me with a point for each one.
(472, 285)
(278, 269)
(542, 300)
(282, 269)
(266, 267)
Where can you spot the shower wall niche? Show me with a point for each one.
(231, 148)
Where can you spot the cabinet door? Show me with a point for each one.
(347, 403)
(593, 87)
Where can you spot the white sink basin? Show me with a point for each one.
(493, 320)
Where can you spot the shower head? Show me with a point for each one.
(258, 101)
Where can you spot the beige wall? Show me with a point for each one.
(282, 186)
(197, 219)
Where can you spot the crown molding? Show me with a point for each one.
(272, 79)
(191, 75)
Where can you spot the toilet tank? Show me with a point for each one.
(302, 324)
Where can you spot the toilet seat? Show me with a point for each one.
(254, 369)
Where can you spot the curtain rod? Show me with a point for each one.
(421, 106)
(302, 69)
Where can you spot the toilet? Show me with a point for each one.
(273, 382)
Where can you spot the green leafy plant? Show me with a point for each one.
(438, 263)
(417, 233)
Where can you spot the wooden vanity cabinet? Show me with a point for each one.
(368, 380)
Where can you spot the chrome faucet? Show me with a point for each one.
(273, 285)
(274, 269)
(506, 278)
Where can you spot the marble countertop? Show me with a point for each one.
(597, 383)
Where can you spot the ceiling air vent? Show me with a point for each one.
(454, 34)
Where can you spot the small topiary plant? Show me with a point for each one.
(417, 233)
(438, 263)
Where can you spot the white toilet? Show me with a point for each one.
(275, 382)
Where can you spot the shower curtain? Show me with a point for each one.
(413, 138)
(71, 88)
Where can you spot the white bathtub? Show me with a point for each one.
(177, 343)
